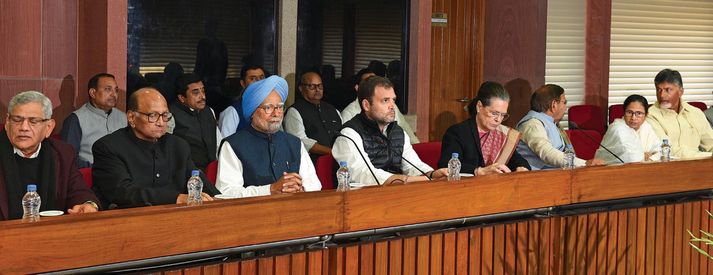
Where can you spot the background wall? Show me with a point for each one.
(55, 47)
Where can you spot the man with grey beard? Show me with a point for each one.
(262, 160)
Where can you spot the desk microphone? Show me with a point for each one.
(414, 166)
(574, 126)
(362, 157)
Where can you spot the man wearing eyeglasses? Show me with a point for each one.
(141, 165)
(684, 126)
(543, 142)
(261, 159)
(95, 119)
(315, 122)
(194, 121)
(28, 156)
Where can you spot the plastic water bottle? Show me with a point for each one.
(454, 167)
(665, 150)
(343, 177)
(569, 157)
(31, 204)
(195, 188)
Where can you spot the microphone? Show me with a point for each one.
(414, 166)
(362, 156)
(574, 126)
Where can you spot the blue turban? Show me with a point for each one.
(256, 93)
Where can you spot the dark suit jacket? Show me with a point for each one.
(70, 187)
(130, 172)
(463, 138)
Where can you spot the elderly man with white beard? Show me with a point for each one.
(262, 160)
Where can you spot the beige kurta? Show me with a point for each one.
(688, 131)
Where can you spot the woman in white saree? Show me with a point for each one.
(632, 139)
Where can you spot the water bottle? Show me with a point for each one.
(195, 188)
(31, 204)
(569, 157)
(343, 176)
(454, 167)
(665, 150)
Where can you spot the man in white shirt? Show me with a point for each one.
(353, 108)
(374, 135)
(312, 120)
(231, 119)
(260, 159)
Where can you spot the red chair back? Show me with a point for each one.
(325, 171)
(699, 105)
(616, 111)
(587, 117)
(428, 152)
(585, 142)
(87, 176)
(211, 171)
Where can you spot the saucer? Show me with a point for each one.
(51, 213)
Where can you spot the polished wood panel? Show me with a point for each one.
(167, 230)
(588, 243)
(456, 62)
(372, 207)
(419, 65)
(515, 50)
(600, 243)
(598, 38)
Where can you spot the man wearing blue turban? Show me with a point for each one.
(261, 159)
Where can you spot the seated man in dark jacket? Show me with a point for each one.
(484, 145)
(28, 156)
(141, 165)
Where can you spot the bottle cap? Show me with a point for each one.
(195, 173)
(31, 188)
(569, 146)
(342, 163)
(665, 141)
(454, 155)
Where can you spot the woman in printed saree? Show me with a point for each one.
(483, 144)
(632, 138)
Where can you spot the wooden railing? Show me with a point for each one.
(587, 243)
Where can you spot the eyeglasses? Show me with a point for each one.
(33, 121)
(496, 114)
(269, 108)
(634, 114)
(153, 117)
(313, 87)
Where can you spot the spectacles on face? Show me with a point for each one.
(630, 113)
(313, 87)
(496, 114)
(270, 108)
(153, 117)
(33, 121)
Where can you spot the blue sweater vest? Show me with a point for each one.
(265, 156)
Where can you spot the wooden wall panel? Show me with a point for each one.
(596, 82)
(515, 36)
(632, 241)
(456, 62)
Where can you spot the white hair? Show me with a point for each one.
(29, 97)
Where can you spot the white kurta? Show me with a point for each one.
(629, 144)
(353, 109)
(344, 150)
(230, 175)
